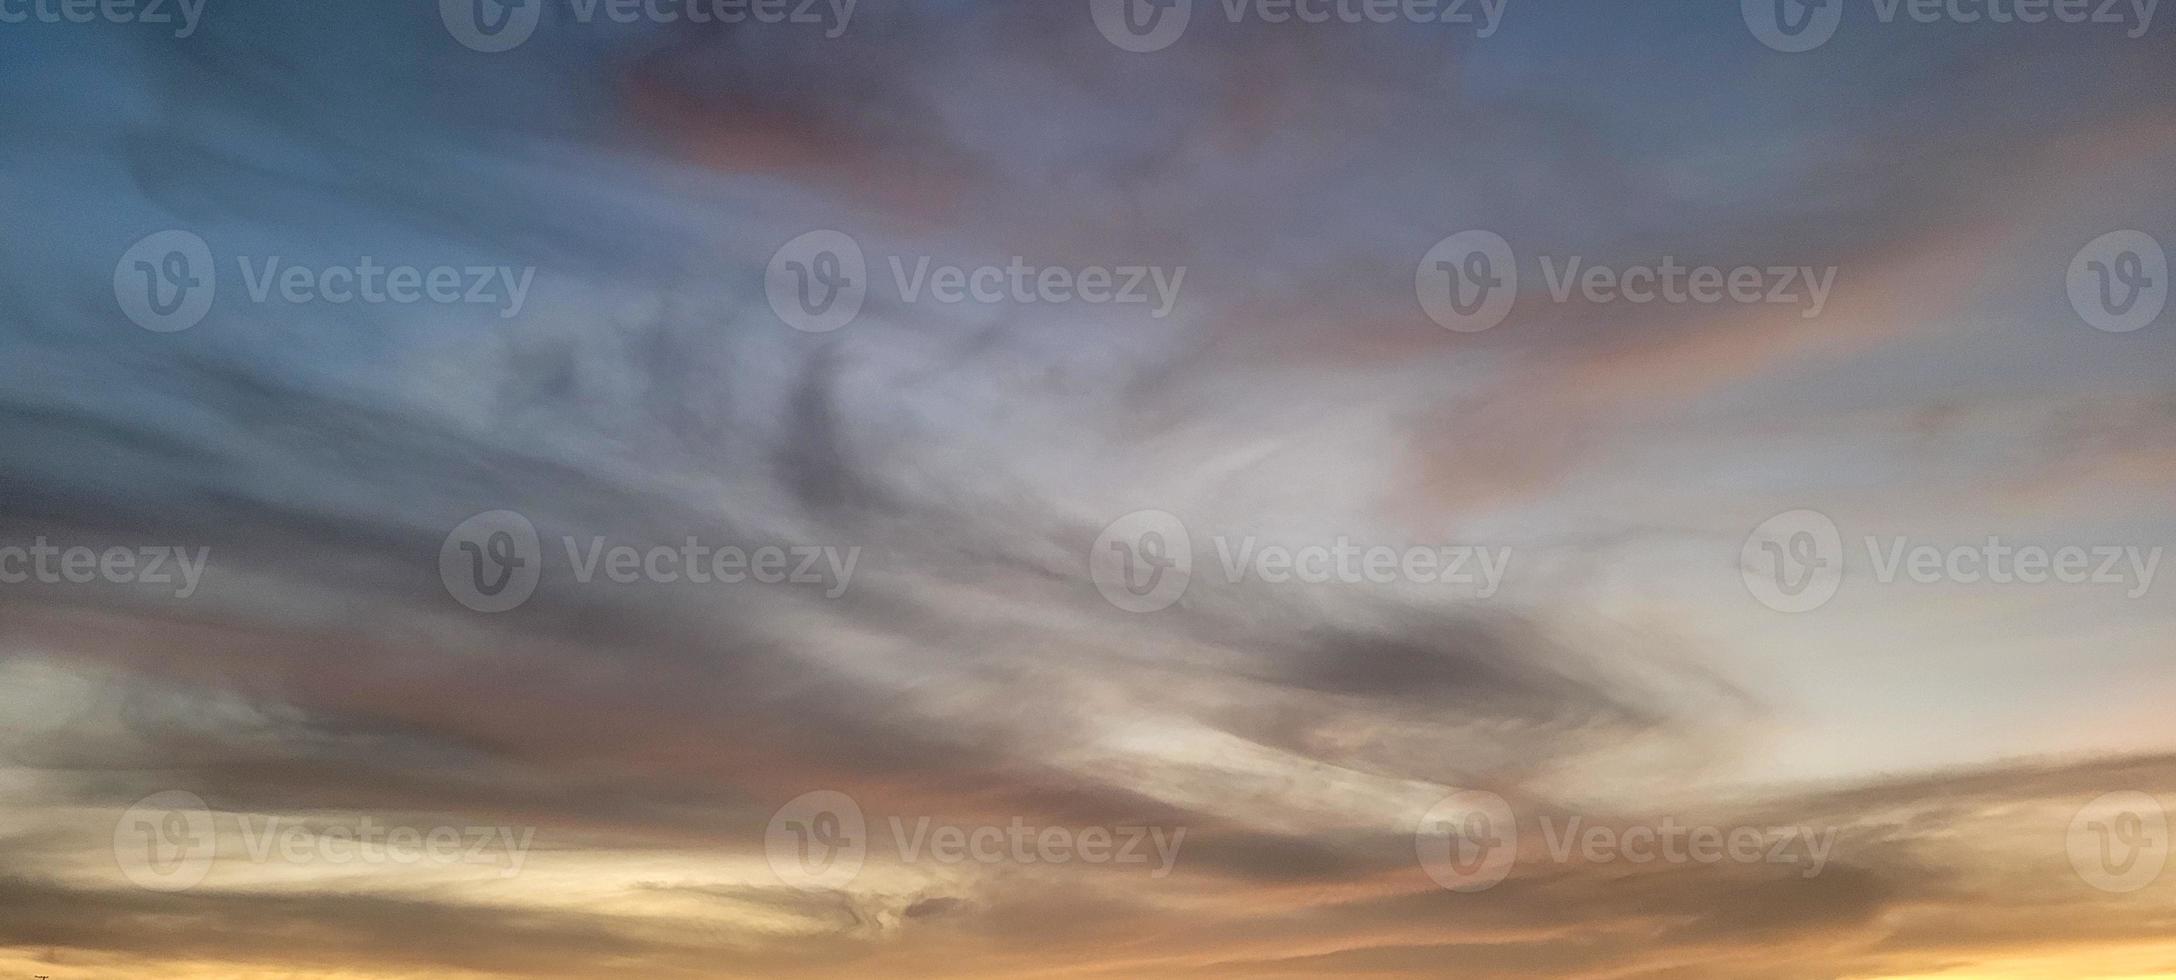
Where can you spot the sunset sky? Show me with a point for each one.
(1012, 564)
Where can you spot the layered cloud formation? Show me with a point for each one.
(1918, 761)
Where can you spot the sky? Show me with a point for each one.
(1082, 488)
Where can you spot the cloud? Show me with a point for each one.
(972, 674)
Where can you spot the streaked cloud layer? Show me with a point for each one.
(1912, 779)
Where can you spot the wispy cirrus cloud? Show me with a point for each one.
(971, 676)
